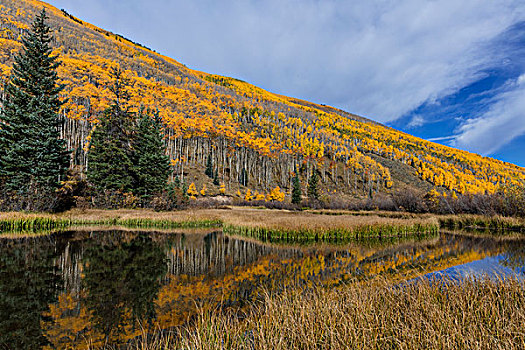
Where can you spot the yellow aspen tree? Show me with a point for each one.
(192, 190)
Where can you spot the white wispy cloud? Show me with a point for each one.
(503, 122)
(416, 122)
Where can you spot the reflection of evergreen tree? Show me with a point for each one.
(146, 266)
(120, 278)
(28, 284)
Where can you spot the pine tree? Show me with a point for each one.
(151, 164)
(110, 163)
(296, 189)
(313, 184)
(33, 157)
(209, 167)
(177, 182)
(216, 177)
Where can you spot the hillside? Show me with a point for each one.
(244, 129)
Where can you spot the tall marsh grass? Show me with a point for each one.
(36, 224)
(471, 314)
(497, 224)
(333, 234)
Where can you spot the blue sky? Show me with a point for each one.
(445, 70)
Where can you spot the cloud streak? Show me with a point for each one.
(502, 123)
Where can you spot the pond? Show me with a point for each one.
(97, 287)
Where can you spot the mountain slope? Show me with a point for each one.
(244, 129)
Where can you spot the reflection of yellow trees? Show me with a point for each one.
(71, 326)
(179, 297)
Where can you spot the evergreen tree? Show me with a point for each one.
(313, 184)
(216, 177)
(209, 167)
(110, 163)
(296, 189)
(185, 190)
(33, 157)
(176, 182)
(151, 164)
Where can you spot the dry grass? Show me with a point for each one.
(122, 214)
(245, 217)
(235, 216)
(306, 226)
(287, 220)
(468, 315)
(32, 222)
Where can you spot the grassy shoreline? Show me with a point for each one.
(267, 224)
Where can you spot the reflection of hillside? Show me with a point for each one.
(215, 255)
(112, 279)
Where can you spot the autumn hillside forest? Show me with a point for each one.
(92, 119)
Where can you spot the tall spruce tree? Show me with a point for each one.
(33, 157)
(216, 181)
(151, 164)
(209, 167)
(313, 183)
(296, 189)
(110, 165)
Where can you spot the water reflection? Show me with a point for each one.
(121, 280)
(95, 288)
(28, 280)
(492, 267)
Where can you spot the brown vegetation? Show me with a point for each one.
(234, 216)
(466, 315)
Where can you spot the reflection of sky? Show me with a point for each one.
(491, 267)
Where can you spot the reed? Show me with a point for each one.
(333, 234)
(37, 224)
(483, 314)
(496, 224)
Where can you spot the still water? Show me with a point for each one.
(97, 287)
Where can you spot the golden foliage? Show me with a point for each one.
(194, 104)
